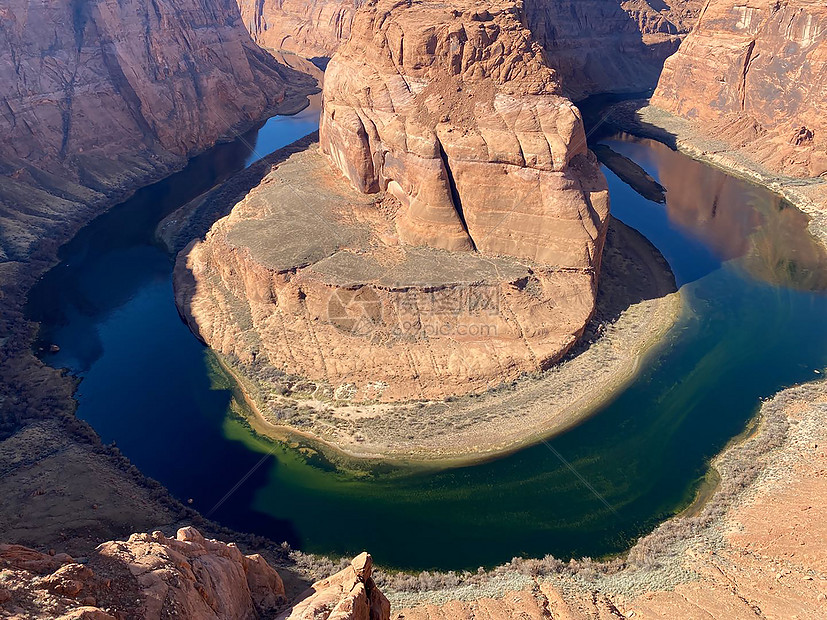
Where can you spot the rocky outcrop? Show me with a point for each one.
(345, 312)
(465, 240)
(595, 46)
(349, 594)
(147, 576)
(151, 576)
(754, 74)
(99, 97)
(600, 46)
(307, 27)
(455, 113)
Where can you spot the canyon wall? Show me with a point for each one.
(311, 28)
(755, 75)
(595, 46)
(101, 96)
(600, 46)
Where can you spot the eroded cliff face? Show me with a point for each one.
(457, 115)
(755, 75)
(307, 27)
(461, 249)
(609, 46)
(100, 96)
(151, 576)
(595, 46)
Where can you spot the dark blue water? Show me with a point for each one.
(751, 280)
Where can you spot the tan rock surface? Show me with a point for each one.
(150, 576)
(349, 594)
(312, 28)
(458, 116)
(754, 74)
(338, 305)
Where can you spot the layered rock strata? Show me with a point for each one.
(461, 249)
(307, 277)
(596, 46)
(754, 75)
(307, 27)
(609, 46)
(99, 97)
(457, 115)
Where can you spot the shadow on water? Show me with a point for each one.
(753, 323)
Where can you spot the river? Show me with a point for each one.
(752, 282)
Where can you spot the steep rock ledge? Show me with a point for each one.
(100, 97)
(456, 114)
(600, 46)
(754, 75)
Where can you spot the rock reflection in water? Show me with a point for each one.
(734, 218)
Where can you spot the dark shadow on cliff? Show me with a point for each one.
(632, 271)
(598, 47)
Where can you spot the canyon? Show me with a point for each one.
(103, 97)
(449, 145)
(98, 100)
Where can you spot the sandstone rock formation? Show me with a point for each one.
(754, 74)
(595, 46)
(150, 576)
(458, 116)
(99, 97)
(468, 247)
(307, 27)
(350, 593)
(599, 46)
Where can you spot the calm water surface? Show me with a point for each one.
(752, 282)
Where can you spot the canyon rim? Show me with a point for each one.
(445, 234)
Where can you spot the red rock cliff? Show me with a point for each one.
(456, 113)
(307, 27)
(99, 95)
(755, 74)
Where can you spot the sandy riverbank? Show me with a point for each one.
(755, 549)
(637, 304)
